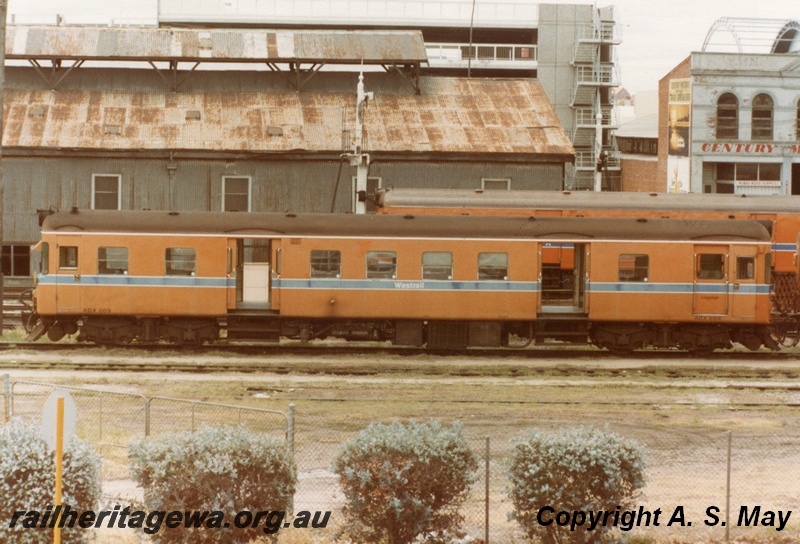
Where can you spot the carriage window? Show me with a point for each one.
(180, 261)
(493, 266)
(68, 257)
(326, 264)
(112, 260)
(710, 266)
(381, 265)
(437, 265)
(634, 267)
(745, 268)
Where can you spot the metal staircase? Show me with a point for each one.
(594, 60)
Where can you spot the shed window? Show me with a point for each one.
(381, 265)
(493, 266)
(634, 267)
(68, 257)
(326, 263)
(180, 261)
(105, 191)
(711, 266)
(728, 117)
(437, 265)
(17, 260)
(762, 117)
(112, 260)
(236, 194)
(496, 184)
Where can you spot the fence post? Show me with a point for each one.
(147, 417)
(7, 397)
(486, 507)
(728, 492)
(290, 429)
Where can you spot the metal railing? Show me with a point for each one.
(606, 32)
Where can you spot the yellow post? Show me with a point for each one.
(59, 459)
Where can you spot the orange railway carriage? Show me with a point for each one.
(119, 276)
(784, 211)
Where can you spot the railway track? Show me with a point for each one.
(350, 360)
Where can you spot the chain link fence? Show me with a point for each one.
(687, 464)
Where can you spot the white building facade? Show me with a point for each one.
(745, 123)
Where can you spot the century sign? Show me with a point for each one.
(749, 148)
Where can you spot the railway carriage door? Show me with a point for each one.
(743, 284)
(563, 279)
(68, 277)
(253, 273)
(711, 277)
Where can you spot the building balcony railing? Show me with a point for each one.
(587, 160)
(603, 74)
(603, 32)
(587, 117)
(482, 55)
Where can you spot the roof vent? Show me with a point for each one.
(641, 220)
(291, 215)
(193, 115)
(274, 131)
(74, 209)
(408, 216)
(113, 130)
(173, 213)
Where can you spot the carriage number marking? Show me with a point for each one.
(97, 310)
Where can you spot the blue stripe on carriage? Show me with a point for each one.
(784, 247)
(404, 285)
(136, 281)
(676, 288)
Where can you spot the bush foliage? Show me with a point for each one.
(27, 482)
(579, 469)
(402, 480)
(216, 469)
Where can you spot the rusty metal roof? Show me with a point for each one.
(451, 115)
(214, 45)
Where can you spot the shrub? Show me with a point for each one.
(404, 479)
(216, 469)
(578, 469)
(27, 482)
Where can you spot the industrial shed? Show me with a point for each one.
(177, 125)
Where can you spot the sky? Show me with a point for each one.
(656, 34)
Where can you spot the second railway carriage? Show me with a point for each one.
(783, 211)
(440, 281)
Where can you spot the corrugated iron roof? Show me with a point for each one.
(214, 45)
(451, 115)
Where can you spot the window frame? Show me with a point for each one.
(333, 258)
(699, 267)
(249, 192)
(62, 253)
(507, 181)
(767, 131)
(94, 190)
(376, 274)
(637, 277)
(100, 270)
(751, 269)
(13, 258)
(429, 267)
(482, 268)
(731, 124)
(171, 270)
